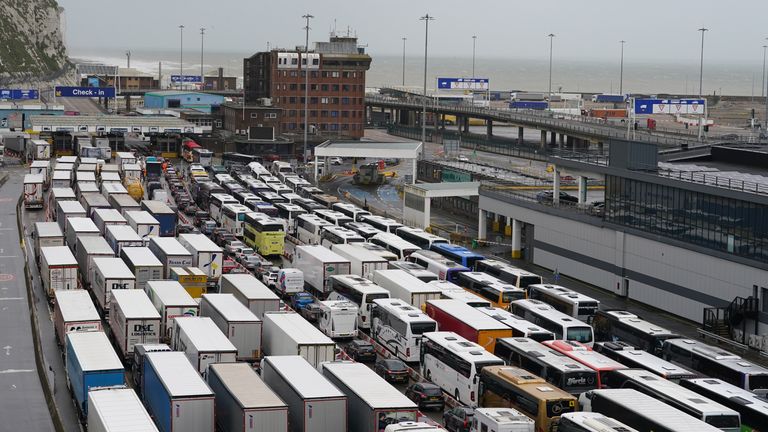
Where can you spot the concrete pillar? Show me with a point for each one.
(482, 225)
(466, 124)
(562, 140)
(495, 225)
(508, 226)
(600, 147)
(553, 139)
(520, 135)
(489, 129)
(127, 103)
(543, 143)
(569, 142)
(582, 190)
(427, 212)
(555, 186)
(317, 159)
(517, 234)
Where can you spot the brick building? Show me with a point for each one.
(238, 119)
(336, 86)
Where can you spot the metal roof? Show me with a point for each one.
(112, 268)
(170, 293)
(199, 242)
(245, 385)
(140, 256)
(141, 217)
(298, 328)
(303, 377)
(446, 189)
(170, 246)
(366, 149)
(94, 351)
(135, 304)
(76, 305)
(108, 120)
(228, 307)
(48, 229)
(468, 314)
(123, 233)
(177, 374)
(109, 215)
(82, 224)
(203, 333)
(368, 385)
(121, 410)
(63, 192)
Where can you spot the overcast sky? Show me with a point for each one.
(654, 29)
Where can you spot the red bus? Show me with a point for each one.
(467, 322)
(584, 355)
(187, 149)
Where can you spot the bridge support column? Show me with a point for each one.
(543, 143)
(553, 139)
(517, 234)
(508, 226)
(520, 135)
(482, 225)
(127, 103)
(600, 147)
(466, 125)
(495, 225)
(569, 142)
(555, 186)
(582, 190)
(562, 141)
(489, 129)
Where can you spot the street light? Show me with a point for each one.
(762, 81)
(426, 18)
(621, 73)
(551, 37)
(306, 84)
(128, 54)
(181, 56)
(202, 45)
(701, 65)
(474, 44)
(404, 39)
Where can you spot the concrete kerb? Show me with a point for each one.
(39, 359)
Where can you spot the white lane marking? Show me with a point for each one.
(11, 298)
(12, 371)
(8, 256)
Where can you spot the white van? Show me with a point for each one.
(290, 281)
(338, 318)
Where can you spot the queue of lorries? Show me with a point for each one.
(159, 305)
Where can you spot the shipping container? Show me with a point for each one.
(164, 215)
(117, 409)
(175, 394)
(120, 236)
(110, 179)
(406, 287)
(314, 404)
(318, 264)
(171, 300)
(123, 203)
(41, 149)
(362, 261)
(206, 255)
(122, 158)
(47, 234)
(373, 403)
(110, 274)
(171, 253)
(468, 322)
(143, 264)
(58, 269)
(288, 333)
(62, 194)
(241, 326)
(194, 280)
(202, 342)
(42, 167)
(68, 209)
(133, 319)
(143, 223)
(74, 311)
(244, 403)
(250, 292)
(61, 178)
(89, 248)
(91, 362)
(79, 227)
(33, 190)
(104, 217)
(93, 200)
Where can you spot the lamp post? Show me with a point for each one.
(551, 36)
(404, 39)
(181, 56)
(306, 84)
(701, 81)
(426, 18)
(474, 45)
(621, 69)
(128, 54)
(202, 46)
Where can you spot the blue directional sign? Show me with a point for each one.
(186, 78)
(669, 106)
(463, 83)
(85, 92)
(19, 94)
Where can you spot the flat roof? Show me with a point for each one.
(177, 374)
(170, 246)
(199, 242)
(297, 327)
(48, 229)
(94, 351)
(113, 268)
(303, 377)
(141, 217)
(468, 314)
(370, 149)
(123, 233)
(141, 256)
(171, 293)
(203, 333)
(76, 305)
(121, 410)
(108, 121)
(135, 304)
(228, 307)
(368, 385)
(446, 189)
(245, 385)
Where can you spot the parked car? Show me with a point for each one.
(186, 229)
(311, 312)
(458, 419)
(233, 247)
(392, 370)
(361, 351)
(598, 208)
(335, 160)
(546, 197)
(221, 238)
(251, 262)
(426, 394)
(207, 227)
(228, 265)
(301, 299)
(269, 276)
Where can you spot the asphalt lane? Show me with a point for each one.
(23, 406)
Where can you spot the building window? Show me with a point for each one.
(292, 99)
(313, 87)
(345, 101)
(270, 115)
(313, 100)
(335, 87)
(324, 100)
(334, 113)
(334, 126)
(315, 61)
(324, 87)
(294, 87)
(764, 299)
(313, 113)
(303, 87)
(323, 113)
(335, 74)
(345, 114)
(294, 61)
(345, 87)
(313, 74)
(254, 115)
(345, 126)
(293, 74)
